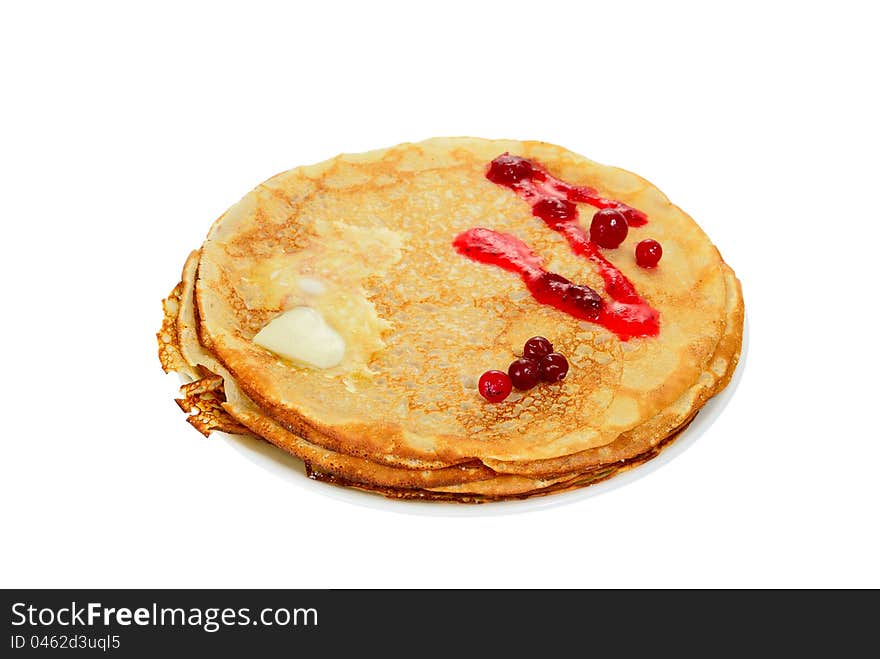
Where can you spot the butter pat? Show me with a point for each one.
(303, 336)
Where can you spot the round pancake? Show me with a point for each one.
(421, 322)
(463, 483)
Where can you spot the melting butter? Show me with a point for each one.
(328, 275)
(311, 286)
(303, 336)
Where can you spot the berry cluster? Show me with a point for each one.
(538, 364)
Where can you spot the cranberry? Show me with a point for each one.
(536, 347)
(553, 367)
(551, 283)
(585, 299)
(648, 253)
(524, 373)
(608, 228)
(495, 386)
(509, 170)
(554, 211)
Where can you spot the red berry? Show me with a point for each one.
(553, 367)
(509, 170)
(524, 373)
(549, 283)
(554, 211)
(648, 253)
(608, 228)
(585, 299)
(495, 386)
(536, 347)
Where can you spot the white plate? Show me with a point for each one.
(286, 466)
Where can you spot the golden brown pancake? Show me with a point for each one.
(400, 412)
(468, 479)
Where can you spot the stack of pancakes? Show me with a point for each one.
(365, 240)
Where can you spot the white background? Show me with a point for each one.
(126, 131)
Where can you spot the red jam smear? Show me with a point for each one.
(545, 192)
(554, 201)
